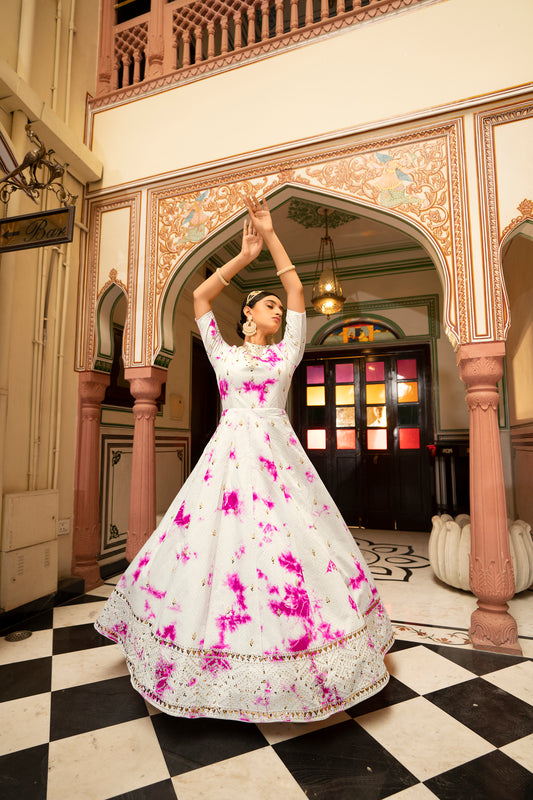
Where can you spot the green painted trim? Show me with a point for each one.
(162, 360)
(371, 307)
(102, 366)
(98, 321)
(330, 326)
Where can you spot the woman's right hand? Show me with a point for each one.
(252, 242)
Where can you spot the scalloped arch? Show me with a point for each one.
(185, 267)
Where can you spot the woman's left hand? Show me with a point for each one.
(252, 242)
(260, 215)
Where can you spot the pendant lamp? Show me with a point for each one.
(327, 295)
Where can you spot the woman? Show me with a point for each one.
(251, 600)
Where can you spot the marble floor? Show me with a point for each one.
(453, 723)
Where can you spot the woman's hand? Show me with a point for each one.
(252, 242)
(260, 215)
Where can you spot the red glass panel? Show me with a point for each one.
(409, 438)
(344, 373)
(375, 371)
(346, 440)
(316, 439)
(315, 373)
(376, 439)
(406, 369)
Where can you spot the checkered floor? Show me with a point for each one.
(453, 723)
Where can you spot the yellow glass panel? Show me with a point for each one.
(376, 439)
(375, 393)
(316, 440)
(345, 417)
(408, 392)
(316, 396)
(376, 416)
(344, 395)
(346, 440)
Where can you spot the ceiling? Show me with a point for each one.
(364, 246)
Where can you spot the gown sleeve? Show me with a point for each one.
(294, 337)
(214, 344)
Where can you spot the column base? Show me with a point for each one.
(495, 631)
(90, 574)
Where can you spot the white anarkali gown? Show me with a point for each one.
(251, 600)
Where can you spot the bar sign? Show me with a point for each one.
(37, 230)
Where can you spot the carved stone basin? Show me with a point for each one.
(449, 550)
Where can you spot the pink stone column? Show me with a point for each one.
(86, 533)
(491, 569)
(145, 386)
(106, 56)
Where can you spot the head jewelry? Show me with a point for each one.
(252, 295)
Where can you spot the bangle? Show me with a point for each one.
(222, 278)
(287, 269)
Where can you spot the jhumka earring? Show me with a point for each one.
(249, 327)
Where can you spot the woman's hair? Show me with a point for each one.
(251, 304)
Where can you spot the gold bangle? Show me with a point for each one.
(287, 269)
(222, 278)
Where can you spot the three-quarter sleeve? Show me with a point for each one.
(294, 337)
(211, 337)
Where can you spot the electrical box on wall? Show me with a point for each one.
(29, 518)
(28, 548)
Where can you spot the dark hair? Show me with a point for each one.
(251, 304)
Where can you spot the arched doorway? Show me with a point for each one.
(386, 268)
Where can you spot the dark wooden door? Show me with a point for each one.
(365, 421)
(204, 401)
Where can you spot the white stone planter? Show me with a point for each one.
(449, 550)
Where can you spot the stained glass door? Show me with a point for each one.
(365, 422)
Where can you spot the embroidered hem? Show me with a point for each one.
(277, 687)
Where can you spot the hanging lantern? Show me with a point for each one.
(327, 295)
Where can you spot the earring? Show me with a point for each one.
(249, 327)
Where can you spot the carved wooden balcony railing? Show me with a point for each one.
(180, 40)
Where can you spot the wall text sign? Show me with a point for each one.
(37, 230)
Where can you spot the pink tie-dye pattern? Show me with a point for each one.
(180, 519)
(236, 586)
(223, 388)
(260, 388)
(153, 592)
(360, 578)
(168, 632)
(214, 662)
(142, 563)
(310, 477)
(271, 467)
(331, 566)
(208, 475)
(231, 503)
(163, 671)
(232, 455)
(286, 492)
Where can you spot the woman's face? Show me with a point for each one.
(266, 314)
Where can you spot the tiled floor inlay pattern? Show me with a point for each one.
(453, 723)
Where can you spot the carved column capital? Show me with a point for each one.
(481, 365)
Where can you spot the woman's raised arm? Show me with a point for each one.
(262, 222)
(204, 295)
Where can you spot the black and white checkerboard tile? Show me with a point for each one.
(453, 723)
